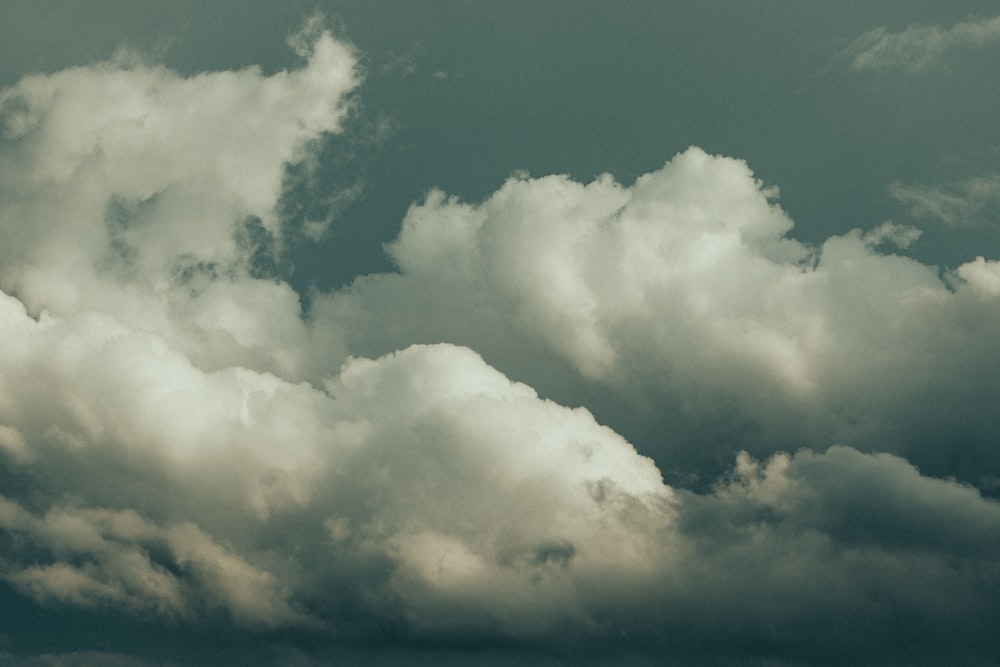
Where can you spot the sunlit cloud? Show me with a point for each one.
(631, 415)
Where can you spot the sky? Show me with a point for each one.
(538, 333)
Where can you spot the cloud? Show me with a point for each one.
(983, 275)
(892, 234)
(679, 310)
(118, 570)
(474, 489)
(918, 47)
(424, 496)
(974, 201)
(123, 186)
(811, 536)
(183, 447)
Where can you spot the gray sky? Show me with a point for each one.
(496, 333)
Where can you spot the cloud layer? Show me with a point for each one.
(182, 445)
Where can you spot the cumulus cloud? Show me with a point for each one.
(823, 536)
(974, 201)
(123, 185)
(919, 47)
(469, 484)
(681, 312)
(181, 445)
(443, 502)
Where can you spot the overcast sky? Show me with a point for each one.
(499, 333)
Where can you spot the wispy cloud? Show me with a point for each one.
(970, 202)
(919, 47)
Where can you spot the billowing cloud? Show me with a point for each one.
(126, 188)
(182, 446)
(680, 311)
(468, 484)
(426, 496)
(919, 47)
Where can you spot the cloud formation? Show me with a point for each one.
(126, 188)
(919, 47)
(973, 201)
(428, 460)
(681, 312)
(425, 496)
(183, 446)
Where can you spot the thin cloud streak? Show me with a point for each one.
(919, 48)
(974, 201)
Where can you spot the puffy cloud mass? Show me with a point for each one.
(181, 445)
(426, 496)
(125, 188)
(678, 309)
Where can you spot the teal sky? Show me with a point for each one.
(460, 332)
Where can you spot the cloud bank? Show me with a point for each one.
(182, 445)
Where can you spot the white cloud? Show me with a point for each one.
(919, 47)
(438, 463)
(121, 188)
(180, 444)
(974, 201)
(900, 236)
(408, 459)
(436, 493)
(498, 508)
(678, 308)
(983, 276)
